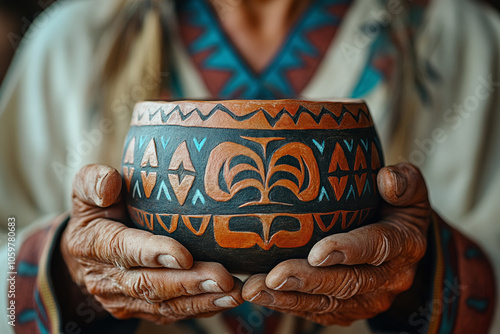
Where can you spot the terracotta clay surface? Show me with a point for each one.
(250, 184)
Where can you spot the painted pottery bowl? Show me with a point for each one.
(251, 183)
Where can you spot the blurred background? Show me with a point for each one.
(15, 18)
(17, 15)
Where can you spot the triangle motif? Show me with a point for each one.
(174, 219)
(360, 182)
(203, 226)
(346, 221)
(127, 175)
(375, 158)
(164, 189)
(351, 191)
(326, 222)
(129, 154)
(148, 182)
(360, 162)
(136, 190)
(338, 185)
(338, 160)
(150, 156)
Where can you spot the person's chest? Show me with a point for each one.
(223, 68)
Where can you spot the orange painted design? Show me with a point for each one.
(222, 155)
(182, 157)
(338, 160)
(338, 185)
(129, 154)
(181, 189)
(174, 219)
(321, 224)
(360, 162)
(375, 158)
(148, 182)
(255, 114)
(127, 174)
(282, 239)
(363, 214)
(360, 182)
(203, 226)
(357, 216)
(305, 156)
(142, 217)
(150, 157)
(345, 223)
(227, 238)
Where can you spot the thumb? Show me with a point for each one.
(97, 185)
(402, 185)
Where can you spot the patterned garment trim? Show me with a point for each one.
(438, 276)
(45, 287)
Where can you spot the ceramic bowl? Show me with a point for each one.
(251, 183)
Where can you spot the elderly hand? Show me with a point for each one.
(355, 275)
(131, 272)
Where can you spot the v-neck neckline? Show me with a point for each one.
(241, 57)
(287, 73)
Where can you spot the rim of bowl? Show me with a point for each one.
(281, 114)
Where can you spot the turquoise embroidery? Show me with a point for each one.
(242, 81)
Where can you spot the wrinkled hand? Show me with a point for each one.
(355, 275)
(131, 272)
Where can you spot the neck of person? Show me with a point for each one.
(258, 28)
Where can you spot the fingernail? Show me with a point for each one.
(225, 302)
(264, 298)
(168, 261)
(98, 186)
(333, 258)
(210, 286)
(291, 283)
(399, 181)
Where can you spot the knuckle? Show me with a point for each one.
(217, 269)
(115, 248)
(73, 248)
(317, 287)
(181, 310)
(350, 284)
(76, 245)
(113, 245)
(101, 280)
(165, 310)
(142, 288)
(94, 287)
(327, 304)
(292, 302)
(382, 248)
